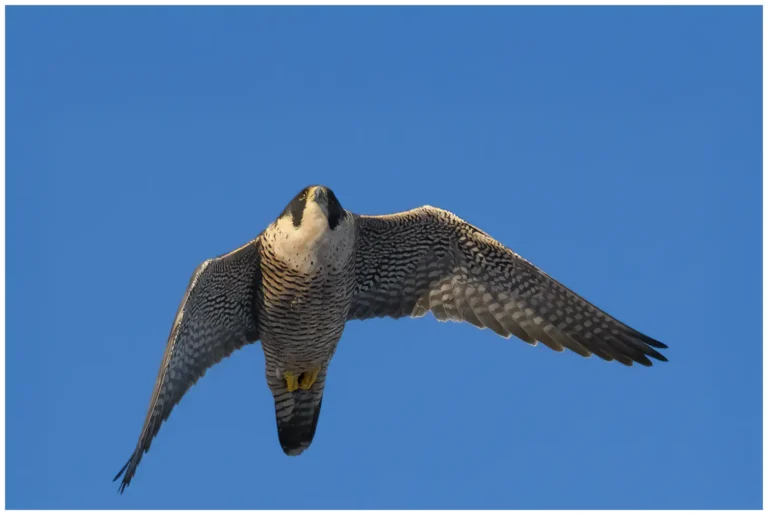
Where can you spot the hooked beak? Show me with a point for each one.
(321, 196)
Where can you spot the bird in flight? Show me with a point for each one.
(295, 286)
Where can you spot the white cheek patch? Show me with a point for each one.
(313, 243)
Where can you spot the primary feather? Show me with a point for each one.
(317, 266)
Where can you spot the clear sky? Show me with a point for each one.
(619, 149)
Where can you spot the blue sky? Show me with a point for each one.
(619, 149)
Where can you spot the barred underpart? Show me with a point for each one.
(302, 317)
(317, 266)
(217, 316)
(429, 259)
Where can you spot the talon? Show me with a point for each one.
(308, 379)
(291, 381)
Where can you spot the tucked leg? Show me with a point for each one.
(308, 378)
(292, 381)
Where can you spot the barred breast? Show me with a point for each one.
(302, 314)
(308, 281)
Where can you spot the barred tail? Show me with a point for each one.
(297, 414)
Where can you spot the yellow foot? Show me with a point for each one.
(291, 381)
(308, 379)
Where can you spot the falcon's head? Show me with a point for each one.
(315, 204)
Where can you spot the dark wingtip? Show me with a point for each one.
(644, 361)
(650, 341)
(649, 351)
(125, 483)
(121, 471)
(655, 354)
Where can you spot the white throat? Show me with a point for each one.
(313, 244)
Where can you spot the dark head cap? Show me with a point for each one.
(324, 198)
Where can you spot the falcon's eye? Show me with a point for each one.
(302, 196)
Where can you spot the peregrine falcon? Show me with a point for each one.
(296, 284)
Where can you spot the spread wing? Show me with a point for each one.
(217, 316)
(428, 259)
